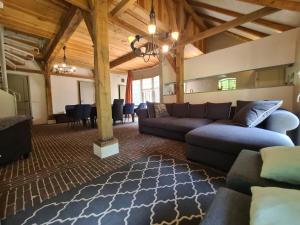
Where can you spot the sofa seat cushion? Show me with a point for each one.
(245, 172)
(175, 124)
(7, 122)
(226, 137)
(228, 208)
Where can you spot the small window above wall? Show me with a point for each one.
(226, 84)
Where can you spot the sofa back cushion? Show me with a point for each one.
(181, 110)
(218, 111)
(197, 110)
(256, 112)
(170, 108)
(160, 110)
(150, 108)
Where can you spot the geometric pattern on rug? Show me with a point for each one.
(157, 189)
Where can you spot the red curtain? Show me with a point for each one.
(128, 95)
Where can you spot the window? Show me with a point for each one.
(227, 84)
(136, 91)
(146, 90)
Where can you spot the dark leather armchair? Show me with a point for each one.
(117, 110)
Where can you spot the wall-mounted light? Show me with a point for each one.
(1, 5)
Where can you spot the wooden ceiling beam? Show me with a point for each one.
(82, 4)
(237, 36)
(228, 25)
(121, 7)
(122, 59)
(197, 19)
(68, 27)
(172, 14)
(263, 22)
(279, 4)
(89, 23)
(255, 33)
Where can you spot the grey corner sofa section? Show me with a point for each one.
(229, 207)
(15, 138)
(245, 172)
(217, 143)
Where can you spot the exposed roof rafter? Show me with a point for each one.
(263, 22)
(198, 20)
(68, 27)
(279, 4)
(228, 25)
(255, 33)
(122, 7)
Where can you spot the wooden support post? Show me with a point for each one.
(180, 56)
(161, 80)
(107, 145)
(48, 92)
(180, 75)
(2, 58)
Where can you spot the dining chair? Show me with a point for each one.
(117, 110)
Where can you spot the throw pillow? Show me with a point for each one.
(197, 110)
(181, 110)
(256, 112)
(160, 110)
(218, 111)
(150, 108)
(240, 104)
(281, 163)
(276, 206)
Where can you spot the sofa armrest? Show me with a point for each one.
(142, 114)
(281, 121)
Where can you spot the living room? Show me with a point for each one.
(149, 112)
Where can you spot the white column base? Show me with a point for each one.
(105, 149)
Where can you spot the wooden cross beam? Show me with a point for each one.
(279, 4)
(228, 25)
(255, 33)
(122, 7)
(197, 19)
(68, 27)
(267, 23)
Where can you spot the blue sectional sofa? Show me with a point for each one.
(217, 142)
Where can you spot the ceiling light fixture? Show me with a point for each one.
(63, 67)
(152, 49)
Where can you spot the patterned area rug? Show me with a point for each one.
(156, 189)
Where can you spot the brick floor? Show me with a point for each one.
(62, 158)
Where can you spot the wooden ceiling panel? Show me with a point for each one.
(37, 17)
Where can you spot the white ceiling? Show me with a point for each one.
(290, 18)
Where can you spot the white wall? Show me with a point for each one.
(274, 50)
(115, 81)
(38, 102)
(7, 102)
(295, 69)
(285, 93)
(65, 90)
(37, 93)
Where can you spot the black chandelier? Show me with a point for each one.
(152, 47)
